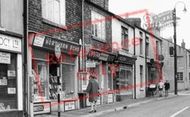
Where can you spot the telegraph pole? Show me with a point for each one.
(175, 52)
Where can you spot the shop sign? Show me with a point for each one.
(11, 90)
(90, 64)
(39, 41)
(66, 47)
(10, 43)
(5, 58)
(69, 106)
(125, 59)
(11, 73)
(96, 55)
(42, 108)
(103, 57)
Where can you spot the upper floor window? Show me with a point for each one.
(54, 11)
(98, 25)
(124, 38)
(180, 76)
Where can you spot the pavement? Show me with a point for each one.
(109, 108)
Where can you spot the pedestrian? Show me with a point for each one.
(160, 88)
(167, 87)
(93, 91)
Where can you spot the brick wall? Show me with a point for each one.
(88, 33)
(73, 17)
(102, 3)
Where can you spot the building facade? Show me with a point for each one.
(98, 55)
(182, 64)
(54, 29)
(149, 60)
(123, 45)
(11, 65)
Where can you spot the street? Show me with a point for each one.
(174, 107)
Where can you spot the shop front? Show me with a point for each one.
(98, 64)
(49, 71)
(11, 85)
(154, 74)
(124, 78)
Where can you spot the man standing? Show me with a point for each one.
(93, 90)
(160, 88)
(167, 87)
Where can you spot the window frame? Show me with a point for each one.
(179, 76)
(52, 18)
(98, 25)
(125, 38)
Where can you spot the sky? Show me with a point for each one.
(158, 6)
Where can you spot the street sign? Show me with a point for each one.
(57, 51)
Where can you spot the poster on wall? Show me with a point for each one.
(11, 90)
(11, 73)
(3, 82)
(69, 106)
(5, 58)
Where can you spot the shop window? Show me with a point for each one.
(125, 38)
(180, 76)
(98, 25)
(54, 11)
(141, 76)
(110, 81)
(147, 49)
(40, 80)
(68, 80)
(8, 81)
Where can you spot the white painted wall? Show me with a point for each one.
(140, 92)
(116, 35)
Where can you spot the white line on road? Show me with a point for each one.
(178, 112)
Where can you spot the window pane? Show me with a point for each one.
(8, 83)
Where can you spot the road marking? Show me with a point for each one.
(180, 111)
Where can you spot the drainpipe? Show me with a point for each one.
(146, 70)
(83, 45)
(134, 64)
(25, 49)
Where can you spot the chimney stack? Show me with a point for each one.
(183, 44)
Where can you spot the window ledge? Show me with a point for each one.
(141, 56)
(98, 39)
(54, 24)
(125, 49)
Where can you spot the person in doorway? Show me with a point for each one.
(167, 87)
(93, 91)
(160, 88)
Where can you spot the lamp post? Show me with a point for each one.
(175, 49)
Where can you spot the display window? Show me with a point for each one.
(125, 81)
(8, 81)
(68, 80)
(40, 80)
